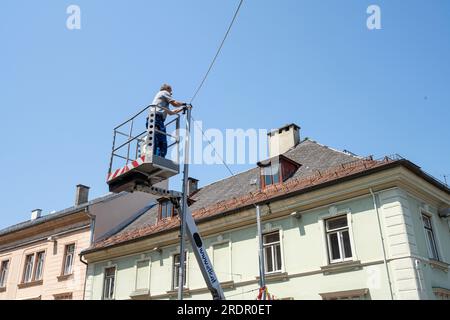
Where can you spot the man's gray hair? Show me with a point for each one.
(165, 87)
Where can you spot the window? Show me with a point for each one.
(270, 174)
(109, 282)
(272, 252)
(69, 253)
(176, 271)
(166, 209)
(28, 268)
(431, 241)
(4, 273)
(277, 170)
(338, 238)
(40, 256)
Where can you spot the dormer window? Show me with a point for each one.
(270, 174)
(166, 209)
(277, 170)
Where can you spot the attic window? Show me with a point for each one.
(166, 209)
(277, 170)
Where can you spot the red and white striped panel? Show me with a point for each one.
(134, 164)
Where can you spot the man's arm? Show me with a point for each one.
(177, 103)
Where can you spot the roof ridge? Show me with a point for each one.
(337, 150)
(253, 168)
(69, 210)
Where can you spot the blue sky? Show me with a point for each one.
(311, 62)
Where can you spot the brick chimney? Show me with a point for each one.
(82, 195)
(36, 214)
(283, 139)
(192, 186)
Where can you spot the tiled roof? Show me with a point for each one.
(238, 191)
(319, 165)
(296, 184)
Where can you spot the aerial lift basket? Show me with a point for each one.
(133, 162)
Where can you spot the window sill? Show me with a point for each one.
(30, 284)
(341, 267)
(65, 277)
(435, 264)
(441, 291)
(174, 293)
(277, 276)
(2, 289)
(227, 284)
(140, 294)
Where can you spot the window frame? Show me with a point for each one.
(4, 272)
(25, 268)
(36, 264)
(279, 264)
(286, 168)
(63, 269)
(104, 282)
(339, 231)
(176, 271)
(162, 204)
(431, 229)
(263, 176)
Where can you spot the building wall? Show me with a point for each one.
(54, 253)
(113, 212)
(306, 273)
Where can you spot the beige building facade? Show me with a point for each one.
(39, 258)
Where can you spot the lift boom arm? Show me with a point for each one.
(202, 257)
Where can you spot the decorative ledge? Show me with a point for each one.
(140, 294)
(63, 296)
(65, 277)
(271, 277)
(435, 264)
(3, 289)
(174, 293)
(441, 291)
(227, 284)
(344, 294)
(341, 267)
(30, 284)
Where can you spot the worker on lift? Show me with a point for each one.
(163, 100)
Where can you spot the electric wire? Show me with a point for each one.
(241, 293)
(218, 52)
(215, 150)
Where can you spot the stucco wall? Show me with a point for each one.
(304, 254)
(54, 253)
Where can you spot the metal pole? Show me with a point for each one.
(112, 153)
(262, 272)
(184, 204)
